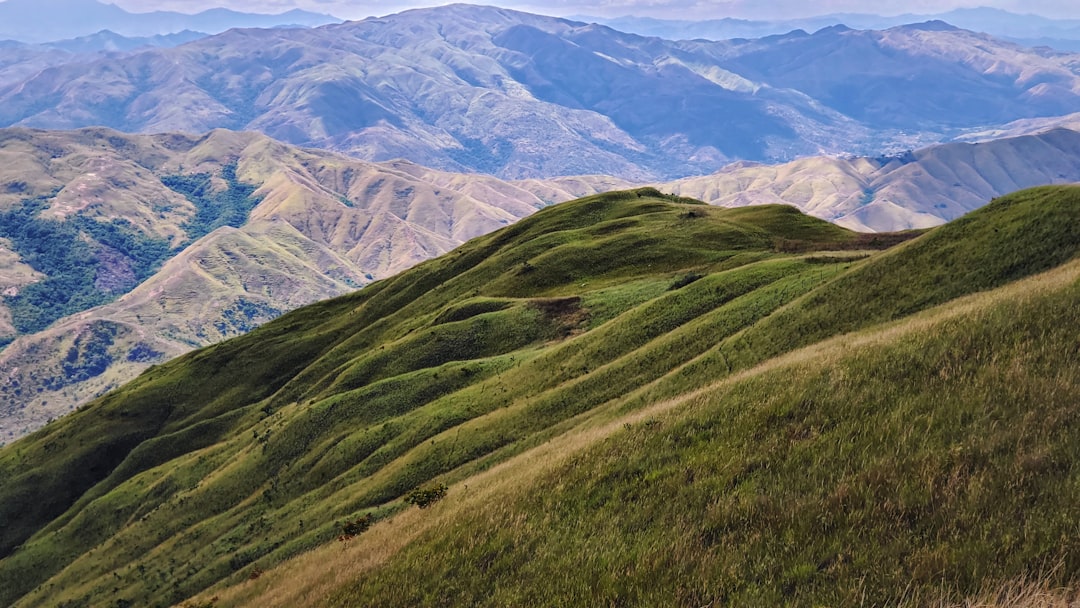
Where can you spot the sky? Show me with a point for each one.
(668, 9)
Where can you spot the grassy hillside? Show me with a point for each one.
(140, 248)
(625, 393)
(897, 466)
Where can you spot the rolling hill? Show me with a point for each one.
(122, 251)
(917, 189)
(480, 89)
(630, 396)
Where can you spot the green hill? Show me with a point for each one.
(628, 396)
(120, 251)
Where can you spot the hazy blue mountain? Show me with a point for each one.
(1057, 44)
(22, 20)
(1007, 24)
(1029, 30)
(469, 88)
(111, 41)
(914, 75)
(20, 60)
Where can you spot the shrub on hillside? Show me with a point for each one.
(357, 526)
(425, 497)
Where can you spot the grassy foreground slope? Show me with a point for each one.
(491, 368)
(896, 466)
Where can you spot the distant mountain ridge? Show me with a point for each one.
(22, 20)
(919, 189)
(480, 89)
(1026, 28)
(110, 41)
(20, 60)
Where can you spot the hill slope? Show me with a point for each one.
(122, 251)
(321, 225)
(548, 337)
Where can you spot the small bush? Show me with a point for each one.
(357, 526)
(425, 497)
(685, 280)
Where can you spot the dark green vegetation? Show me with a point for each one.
(215, 207)
(932, 452)
(86, 262)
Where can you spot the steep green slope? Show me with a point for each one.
(893, 468)
(208, 470)
(452, 340)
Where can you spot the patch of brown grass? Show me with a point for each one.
(1023, 593)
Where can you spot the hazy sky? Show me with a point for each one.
(672, 9)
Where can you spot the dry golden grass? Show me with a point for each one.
(1023, 593)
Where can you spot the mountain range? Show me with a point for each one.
(23, 20)
(479, 89)
(1027, 29)
(917, 189)
(107, 41)
(631, 397)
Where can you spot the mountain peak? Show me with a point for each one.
(839, 28)
(935, 25)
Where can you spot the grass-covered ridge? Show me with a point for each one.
(491, 366)
(894, 467)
